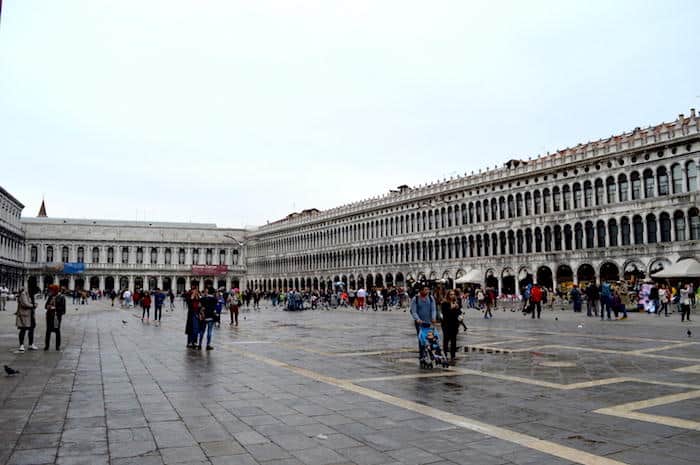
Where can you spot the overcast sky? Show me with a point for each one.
(242, 112)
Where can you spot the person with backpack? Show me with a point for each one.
(576, 298)
(55, 309)
(605, 300)
(536, 301)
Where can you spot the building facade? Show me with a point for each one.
(619, 208)
(131, 254)
(11, 241)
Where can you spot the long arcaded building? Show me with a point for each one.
(617, 208)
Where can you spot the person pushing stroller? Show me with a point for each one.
(424, 312)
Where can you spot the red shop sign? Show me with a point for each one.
(209, 270)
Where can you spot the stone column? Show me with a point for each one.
(131, 283)
(500, 286)
(228, 283)
(102, 283)
(41, 282)
(517, 284)
(117, 284)
(71, 283)
(160, 282)
(145, 282)
(201, 283)
(55, 279)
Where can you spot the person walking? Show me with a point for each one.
(171, 297)
(536, 300)
(25, 319)
(233, 303)
(4, 292)
(450, 324)
(159, 298)
(423, 311)
(664, 297)
(146, 306)
(220, 302)
(592, 297)
(55, 309)
(576, 298)
(207, 315)
(192, 323)
(685, 303)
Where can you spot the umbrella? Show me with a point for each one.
(686, 268)
(470, 277)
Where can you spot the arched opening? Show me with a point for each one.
(48, 279)
(389, 280)
(565, 278)
(658, 265)
(491, 280)
(94, 282)
(168, 283)
(360, 282)
(369, 279)
(138, 283)
(80, 283)
(609, 272)
(634, 273)
(447, 279)
(109, 283)
(123, 283)
(585, 275)
(399, 279)
(65, 283)
(314, 284)
(153, 283)
(508, 282)
(524, 278)
(379, 280)
(32, 285)
(180, 285)
(544, 277)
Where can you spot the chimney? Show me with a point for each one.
(680, 116)
(692, 112)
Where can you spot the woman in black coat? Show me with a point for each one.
(450, 324)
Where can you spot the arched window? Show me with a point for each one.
(556, 199)
(665, 227)
(34, 254)
(648, 184)
(599, 192)
(49, 254)
(587, 194)
(538, 240)
(181, 257)
(81, 255)
(677, 178)
(565, 197)
(545, 201)
(511, 206)
(528, 202)
(222, 257)
(557, 237)
(679, 225)
(568, 237)
(168, 256)
(528, 240)
(651, 229)
(662, 179)
(139, 255)
(125, 255)
(95, 255)
(612, 232)
(589, 235)
(625, 229)
(612, 190)
(519, 241)
(578, 236)
(623, 188)
(636, 186)
(519, 205)
(547, 239)
(494, 209)
(478, 212)
(600, 233)
(694, 221)
(501, 208)
(486, 211)
(471, 213)
(638, 229)
(691, 171)
(110, 255)
(537, 202)
(154, 255)
(486, 245)
(577, 196)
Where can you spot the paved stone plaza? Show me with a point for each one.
(333, 387)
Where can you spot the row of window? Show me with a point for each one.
(9, 247)
(579, 195)
(638, 229)
(140, 251)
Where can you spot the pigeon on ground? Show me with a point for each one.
(689, 333)
(556, 318)
(124, 322)
(10, 371)
(76, 309)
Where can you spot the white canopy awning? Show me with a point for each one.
(470, 277)
(685, 268)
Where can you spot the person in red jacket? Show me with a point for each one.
(146, 306)
(536, 300)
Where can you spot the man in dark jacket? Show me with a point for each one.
(55, 309)
(593, 295)
(208, 302)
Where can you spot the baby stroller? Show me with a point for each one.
(430, 350)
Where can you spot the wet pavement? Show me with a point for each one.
(344, 387)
